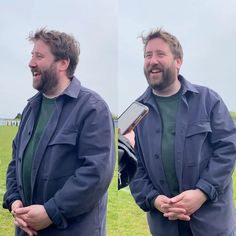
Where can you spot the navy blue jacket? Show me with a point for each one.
(205, 153)
(73, 165)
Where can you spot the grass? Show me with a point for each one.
(6, 136)
(233, 115)
(124, 217)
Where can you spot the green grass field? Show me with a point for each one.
(124, 217)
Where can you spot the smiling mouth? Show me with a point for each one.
(36, 73)
(155, 71)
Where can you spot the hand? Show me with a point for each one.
(131, 137)
(190, 200)
(35, 216)
(27, 229)
(18, 221)
(164, 205)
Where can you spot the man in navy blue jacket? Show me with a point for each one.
(186, 149)
(63, 154)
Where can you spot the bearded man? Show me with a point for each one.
(63, 154)
(185, 147)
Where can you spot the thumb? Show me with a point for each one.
(177, 198)
(22, 210)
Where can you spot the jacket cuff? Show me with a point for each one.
(55, 215)
(8, 202)
(150, 201)
(208, 189)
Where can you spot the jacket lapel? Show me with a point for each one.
(45, 139)
(181, 124)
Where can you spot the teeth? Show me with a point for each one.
(155, 71)
(35, 73)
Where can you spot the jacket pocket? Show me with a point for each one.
(61, 156)
(198, 128)
(197, 143)
(64, 137)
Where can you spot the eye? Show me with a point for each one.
(39, 56)
(147, 55)
(160, 54)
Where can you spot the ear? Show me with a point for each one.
(64, 64)
(178, 63)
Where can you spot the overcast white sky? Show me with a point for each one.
(94, 23)
(111, 60)
(206, 30)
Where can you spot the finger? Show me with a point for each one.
(179, 204)
(20, 222)
(176, 198)
(16, 223)
(22, 210)
(28, 231)
(170, 215)
(183, 217)
(165, 200)
(167, 208)
(173, 216)
(33, 231)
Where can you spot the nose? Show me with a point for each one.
(32, 63)
(154, 60)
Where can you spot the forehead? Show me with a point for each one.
(41, 47)
(157, 44)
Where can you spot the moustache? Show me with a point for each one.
(33, 70)
(155, 67)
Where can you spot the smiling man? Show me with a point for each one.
(63, 154)
(186, 149)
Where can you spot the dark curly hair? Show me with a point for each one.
(170, 39)
(62, 46)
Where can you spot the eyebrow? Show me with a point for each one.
(156, 51)
(37, 53)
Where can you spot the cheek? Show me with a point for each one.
(178, 64)
(146, 64)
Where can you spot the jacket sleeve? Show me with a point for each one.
(12, 186)
(218, 174)
(141, 186)
(127, 162)
(12, 193)
(86, 187)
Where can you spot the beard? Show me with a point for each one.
(160, 81)
(48, 80)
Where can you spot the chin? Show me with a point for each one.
(36, 86)
(154, 83)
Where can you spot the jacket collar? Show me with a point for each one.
(186, 86)
(72, 91)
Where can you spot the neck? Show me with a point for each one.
(59, 89)
(169, 91)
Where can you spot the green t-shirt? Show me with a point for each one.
(167, 107)
(47, 107)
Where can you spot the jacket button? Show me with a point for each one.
(162, 182)
(156, 156)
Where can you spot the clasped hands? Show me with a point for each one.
(31, 218)
(182, 206)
